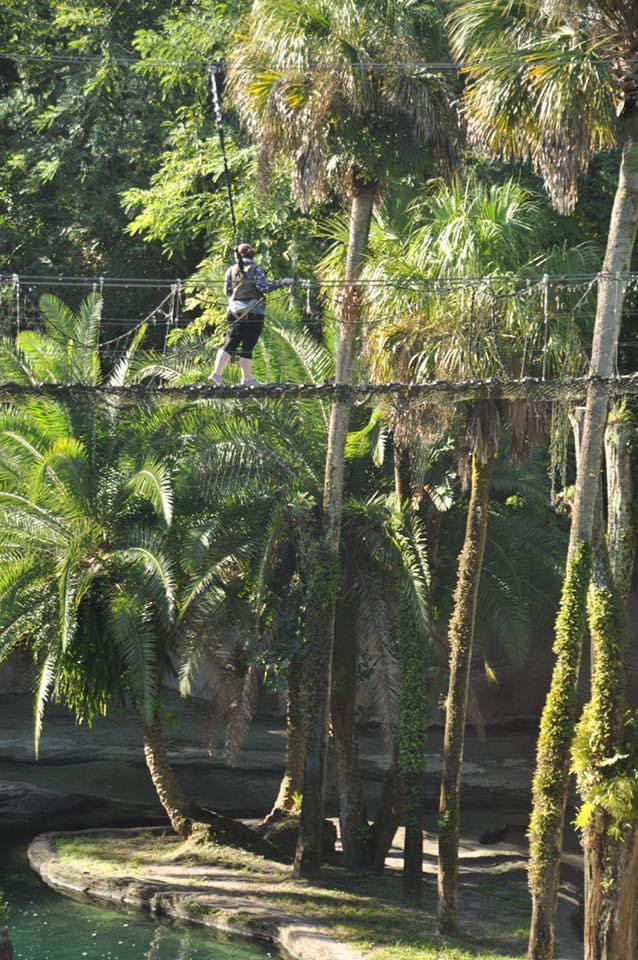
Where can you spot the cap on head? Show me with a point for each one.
(245, 250)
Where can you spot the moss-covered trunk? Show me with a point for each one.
(353, 818)
(169, 791)
(292, 781)
(602, 747)
(552, 756)
(550, 790)
(461, 637)
(323, 590)
(600, 738)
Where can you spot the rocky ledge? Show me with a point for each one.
(26, 810)
(233, 902)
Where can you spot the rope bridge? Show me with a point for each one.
(529, 389)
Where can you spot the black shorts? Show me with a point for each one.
(244, 333)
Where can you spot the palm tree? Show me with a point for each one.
(545, 85)
(470, 329)
(304, 79)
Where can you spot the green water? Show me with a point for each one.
(47, 926)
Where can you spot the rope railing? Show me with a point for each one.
(530, 389)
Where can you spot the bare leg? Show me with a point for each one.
(221, 363)
(246, 367)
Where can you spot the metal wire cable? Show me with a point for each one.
(66, 338)
(374, 66)
(413, 282)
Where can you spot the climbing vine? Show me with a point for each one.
(557, 723)
(604, 752)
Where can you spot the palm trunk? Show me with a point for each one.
(292, 780)
(170, 793)
(550, 788)
(322, 588)
(413, 714)
(353, 818)
(611, 863)
(461, 637)
(621, 533)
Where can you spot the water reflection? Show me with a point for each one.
(48, 926)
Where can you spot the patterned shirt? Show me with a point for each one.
(259, 278)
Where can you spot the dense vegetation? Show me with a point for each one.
(300, 543)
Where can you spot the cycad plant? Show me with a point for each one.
(95, 550)
(304, 77)
(88, 575)
(553, 84)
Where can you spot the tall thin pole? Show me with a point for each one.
(213, 69)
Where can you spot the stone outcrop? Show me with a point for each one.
(26, 810)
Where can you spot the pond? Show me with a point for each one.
(45, 925)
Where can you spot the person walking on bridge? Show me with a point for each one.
(246, 286)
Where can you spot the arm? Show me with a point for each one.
(265, 286)
(228, 283)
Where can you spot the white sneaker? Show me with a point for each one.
(252, 383)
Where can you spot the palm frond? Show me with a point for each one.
(153, 482)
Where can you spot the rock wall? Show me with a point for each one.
(16, 674)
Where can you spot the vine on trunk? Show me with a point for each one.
(557, 723)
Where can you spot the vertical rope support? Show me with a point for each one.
(16, 287)
(619, 280)
(599, 282)
(219, 119)
(169, 316)
(545, 323)
(526, 341)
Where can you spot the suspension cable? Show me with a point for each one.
(213, 69)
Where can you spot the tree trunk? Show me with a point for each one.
(322, 589)
(413, 714)
(621, 533)
(401, 473)
(610, 860)
(186, 818)
(6, 950)
(169, 791)
(461, 637)
(388, 815)
(550, 788)
(292, 780)
(352, 809)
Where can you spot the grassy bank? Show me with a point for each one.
(363, 910)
